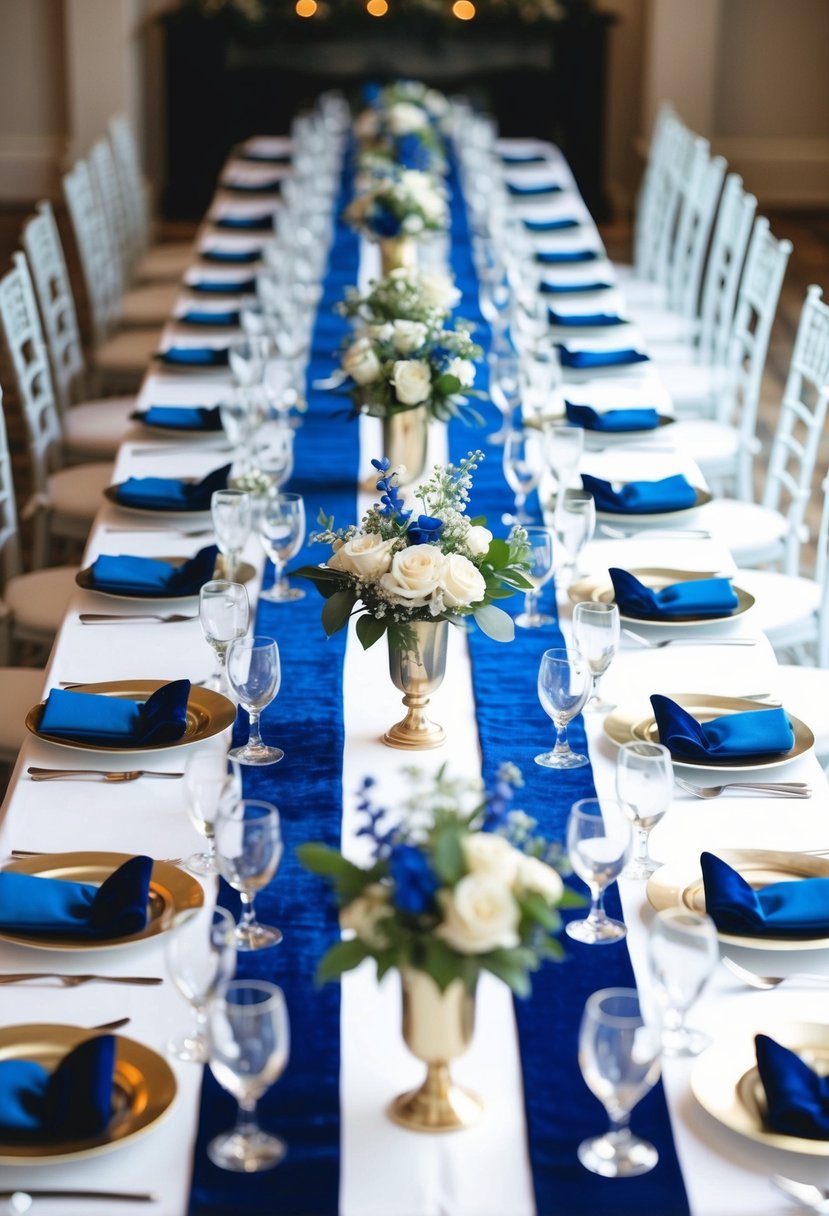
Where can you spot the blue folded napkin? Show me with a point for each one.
(781, 909)
(195, 356)
(641, 497)
(530, 191)
(551, 257)
(635, 419)
(195, 316)
(515, 158)
(72, 1102)
(268, 158)
(170, 494)
(698, 597)
(797, 1098)
(118, 908)
(760, 732)
(227, 288)
(152, 578)
(181, 417)
(230, 255)
(249, 223)
(267, 187)
(550, 225)
(580, 359)
(580, 319)
(562, 289)
(90, 717)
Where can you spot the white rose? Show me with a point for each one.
(360, 362)
(486, 853)
(407, 336)
(415, 573)
(435, 102)
(462, 582)
(412, 224)
(535, 875)
(438, 291)
(381, 333)
(464, 369)
(363, 913)
(479, 915)
(412, 380)
(367, 555)
(478, 539)
(404, 117)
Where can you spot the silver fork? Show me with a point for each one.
(104, 618)
(23, 853)
(168, 531)
(783, 789)
(658, 645)
(74, 981)
(659, 533)
(766, 983)
(55, 774)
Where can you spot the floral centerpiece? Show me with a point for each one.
(399, 203)
(401, 130)
(406, 294)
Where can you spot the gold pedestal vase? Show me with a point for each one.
(405, 440)
(437, 1028)
(418, 672)
(397, 252)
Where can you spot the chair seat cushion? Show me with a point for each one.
(128, 351)
(691, 385)
(98, 427)
(39, 599)
(754, 534)
(783, 604)
(150, 305)
(77, 491)
(805, 692)
(22, 688)
(167, 262)
(707, 442)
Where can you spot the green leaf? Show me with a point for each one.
(495, 623)
(349, 880)
(369, 629)
(325, 580)
(497, 555)
(447, 856)
(344, 956)
(509, 966)
(440, 961)
(571, 899)
(336, 611)
(447, 384)
(538, 910)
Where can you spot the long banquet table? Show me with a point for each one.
(386, 1171)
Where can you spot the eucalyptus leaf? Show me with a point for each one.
(495, 623)
(344, 956)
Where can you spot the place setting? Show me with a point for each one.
(663, 598)
(174, 579)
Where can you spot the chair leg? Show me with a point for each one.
(6, 640)
(41, 548)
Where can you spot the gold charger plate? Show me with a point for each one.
(208, 713)
(599, 589)
(621, 518)
(725, 1081)
(244, 573)
(634, 721)
(111, 493)
(174, 896)
(679, 884)
(143, 1091)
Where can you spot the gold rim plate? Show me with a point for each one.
(111, 493)
(680, 885)
(144, 1089)
(725, 1081)
(174, 896)
(624, 518)
(244, 573)
(634, 721)
(599, 589)
(208, 713)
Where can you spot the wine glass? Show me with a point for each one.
(522, 470)
(504, 389)
(211, 779)
(224, 612)
(563, 447)
(200, 955)
(596, 636)
(242, 412)
(619, 1060)
(247, 359)
(254, 675)
(232, 513)
(282, 531)
(249, 849)
(249, 1047)
(563, 688)
(644, 786)
(540, 540)
(683, 950)
(598, 844)
(575, 523)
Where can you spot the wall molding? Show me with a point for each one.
(31, 166)
(781, 172)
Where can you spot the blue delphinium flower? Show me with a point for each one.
(389, 494)
(412, 153)
(426, 530)
(415, 882)
(383, 220)
(371, 93)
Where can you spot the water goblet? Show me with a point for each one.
(598, 844)
(540, 540)
(249, 849)
(596, 636)
(249, 1047)
(522, 470)
(232, 515)
(563, 688)
(563, 447)
(200, 955)
(211, 779)
(247, 359)
(224, 612)
(253, 672)
(273, 453)
(575, 523)
(282, 531)
(619, 1060)
(644, 786)
(683, 950)
(504, 389)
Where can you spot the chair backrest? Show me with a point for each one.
(673, 190)
(41, 241)
(822, 578)
(696, 218)
(723, 269)
(653, 190)
(24, 338)
(9, 538)
(100, 270)
(128, 164)
(116, 216)
(800, 423)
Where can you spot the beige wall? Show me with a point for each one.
(33, 124)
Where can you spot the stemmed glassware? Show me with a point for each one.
(232, 517)
(542, 564)
(211, 779)
(683, 950)
(563, 448)
(522, 470)
(254, 675)
(619, 1060)
(282, 531)
(644, 787)
(563, 688)
(200, 955)
(575, 523)
(596, 636)
(249, 1048)
(504, 389)
(249, 849)
(598, 844)
(224, 612)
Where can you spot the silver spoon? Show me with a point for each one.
(809, 1196)
(658, 645)
(783, 789)
(766, 983)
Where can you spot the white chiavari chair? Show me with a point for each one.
(65, 499)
